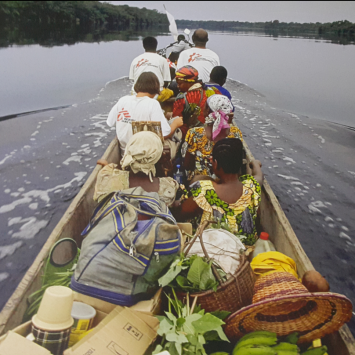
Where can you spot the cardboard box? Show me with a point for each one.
(123, 332)
(15, 344)
(103, 308)
(144, 309)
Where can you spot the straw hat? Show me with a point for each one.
(281, 304)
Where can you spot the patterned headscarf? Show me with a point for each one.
(187, 73)
(221, 107)
(143, 151)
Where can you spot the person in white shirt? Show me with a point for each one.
(140, 107)
(150, 61)
(180, 45)
(199, 57)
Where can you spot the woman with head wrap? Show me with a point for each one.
(234, 200)
(192, 99)
(199, 141)
(139, 166)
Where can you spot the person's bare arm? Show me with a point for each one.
(189, 161)
(186, 209)
(208, 131)
(174, 125)
(256, 171)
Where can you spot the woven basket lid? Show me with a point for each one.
(281, 304)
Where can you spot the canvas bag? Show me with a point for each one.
(122, 258)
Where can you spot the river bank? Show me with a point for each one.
(308, 163)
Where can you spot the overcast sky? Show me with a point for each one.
(254, 11)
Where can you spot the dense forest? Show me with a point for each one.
(83, 13)
(337, 28)
(67, 22)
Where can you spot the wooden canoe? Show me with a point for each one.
(273, 221)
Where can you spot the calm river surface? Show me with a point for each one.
(316, 78)
(301, 85)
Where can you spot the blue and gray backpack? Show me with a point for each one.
(123, 256)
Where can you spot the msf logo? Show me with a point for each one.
(123, 114)
(141, 62)
(193, 57)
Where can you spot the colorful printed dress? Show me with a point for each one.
(197, 144)
(194, 100)
(240, 216)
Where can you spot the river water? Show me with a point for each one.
(301, 85)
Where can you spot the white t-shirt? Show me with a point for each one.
(132, 108)
(150, 62)
(178, 47)
(202, 59)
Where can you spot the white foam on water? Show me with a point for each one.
(345, 228)
(331, 225)
(322, 139)
(268, 144)
(42, 194)
(351, 172)
(85, 145)
(34, 133)
(6, 157)
(15, 194)
(33, 206)
(6, 250)
(289, 159)
(287, 177)
(26, 147)
(318, 185)
(7, 191)
(4, 276)
(344, 236)
(75, 158)
(31, 227)
(12, 206)
(328, 219)
(314, 206)
(296, 183)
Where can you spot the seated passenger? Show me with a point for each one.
(199, 141)
(234, 200)
(192, 99)
(139, 165)
(139, 107)
(218, 78)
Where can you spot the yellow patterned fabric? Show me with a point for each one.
(240, 216)
(197, 144)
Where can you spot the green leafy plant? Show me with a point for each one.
(191, 274)
(186, 332)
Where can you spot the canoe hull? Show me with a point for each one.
(273, 221)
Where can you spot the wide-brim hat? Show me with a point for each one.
(281, 304)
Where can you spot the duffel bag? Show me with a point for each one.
(123, 256)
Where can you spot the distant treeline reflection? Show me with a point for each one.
(52, 23)
(341, 32)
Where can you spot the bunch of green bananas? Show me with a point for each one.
(265, 343)
(316, 351)
(256, 343)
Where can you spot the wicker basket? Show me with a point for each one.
(231, 295)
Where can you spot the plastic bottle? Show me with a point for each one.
(178, 176)
(263, 245)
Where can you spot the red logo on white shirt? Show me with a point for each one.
(142, 61)
(192, 58)
(123, 114)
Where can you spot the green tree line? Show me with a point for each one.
(87, 14)
(341, 28)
